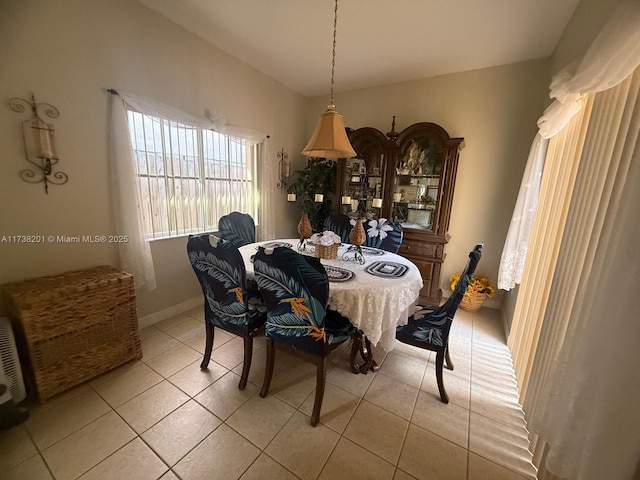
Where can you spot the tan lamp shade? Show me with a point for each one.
(329, 140)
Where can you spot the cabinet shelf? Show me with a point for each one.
(421, 147)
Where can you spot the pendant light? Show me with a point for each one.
(329, 140)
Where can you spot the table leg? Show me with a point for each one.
(362, 345)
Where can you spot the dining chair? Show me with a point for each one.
(238, 228)
(295, 288)
(383, 235)
(429, 326)
(339, 224)
(227, 302)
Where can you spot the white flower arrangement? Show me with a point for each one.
(326, 238)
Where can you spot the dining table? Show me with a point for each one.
(376, 296)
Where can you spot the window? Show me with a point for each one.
(190, 177)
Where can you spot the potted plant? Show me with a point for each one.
(318, 177)
(478, 291)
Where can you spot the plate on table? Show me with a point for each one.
(274, 245)
(337, 274)
(387, 269)
(370, 251)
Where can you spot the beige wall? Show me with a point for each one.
(495, 110)
(68, 52)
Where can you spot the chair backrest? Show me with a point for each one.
(222, 276)
(383, 235)
(339, 224)
(295, 289)
(451, 305)
(238, 228)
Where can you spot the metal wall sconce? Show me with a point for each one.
(283, 169)
(39, 143)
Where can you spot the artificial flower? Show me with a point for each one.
(379, 228)
(481, 285)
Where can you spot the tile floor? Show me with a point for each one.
(163, 418)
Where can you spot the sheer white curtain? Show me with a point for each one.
(268, 176)
(613, 56)
(135, 255)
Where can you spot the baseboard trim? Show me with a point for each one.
(172, 311)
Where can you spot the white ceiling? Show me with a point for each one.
(378, 42)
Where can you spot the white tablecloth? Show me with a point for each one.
(374, 304)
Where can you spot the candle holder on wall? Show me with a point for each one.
(283, 169)
(39, 143)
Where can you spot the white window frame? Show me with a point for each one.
(189, 177)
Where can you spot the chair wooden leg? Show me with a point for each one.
(248, 351)
(321, 375)
(355, 348)
(439, 361)
(208, 345)
(268, 369)
(448, 363)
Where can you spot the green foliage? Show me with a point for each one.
(319, 176)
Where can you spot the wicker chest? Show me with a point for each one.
(74, 326)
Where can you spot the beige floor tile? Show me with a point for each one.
(134, 461)
(461, 366)
(504, 445)
(148, 332)
(82, 450)
(186, 330)
(196, 312)
(119, 389)
(260, 419)
(349, 461)
(169, 476)
(499, 406)
(450, 421)
(15, 447)
(392, 395)
(53, 424)
(111, 374)
(293, 385)
(230, 354)
(223, 455)
(157, 344)
(31, 469)
(72, 392)
(266, 468)
(400, 475)
(411, 351)
(403, 368)
(223, 397)
(220, 338)
(192, 380)
(356, 384)
(173, 360)
(495, 380)
(338, 407)
(482, 469)
(458, 388)
(165, 325)
(377, 430)
(301, 448)
(427, 456)
(176, 434)
(150, 407)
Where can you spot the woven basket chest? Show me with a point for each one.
(74, 326)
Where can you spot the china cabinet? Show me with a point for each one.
(408, 177)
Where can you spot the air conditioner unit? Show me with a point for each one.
(10, 363)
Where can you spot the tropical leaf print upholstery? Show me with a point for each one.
(429, 326)
(295, 289)
(227, 303)
(339, 224)
(238, 228)
(383, 234)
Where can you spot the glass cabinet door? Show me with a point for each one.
(417, 184)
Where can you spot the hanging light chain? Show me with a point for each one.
(333, 53)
